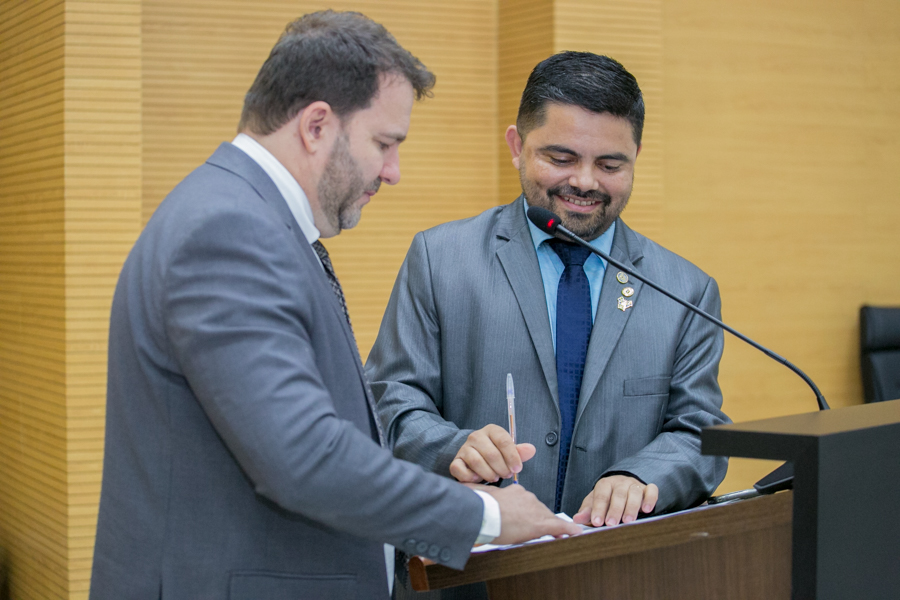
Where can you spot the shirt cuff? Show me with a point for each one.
(490, 521)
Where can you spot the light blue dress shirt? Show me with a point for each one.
(552, 268)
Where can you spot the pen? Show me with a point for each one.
(511, 409)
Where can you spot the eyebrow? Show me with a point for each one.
(563, 150)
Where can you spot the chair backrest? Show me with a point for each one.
(879, 345)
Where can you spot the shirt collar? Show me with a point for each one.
(293, 194)
(538, 237)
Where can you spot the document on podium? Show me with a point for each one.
(587, 529)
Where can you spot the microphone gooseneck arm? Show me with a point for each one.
(549, 223)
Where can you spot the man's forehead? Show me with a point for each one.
(573, 129)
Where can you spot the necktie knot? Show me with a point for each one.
(570, 254)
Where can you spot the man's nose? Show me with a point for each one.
(390, 172)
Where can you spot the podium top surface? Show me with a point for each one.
(782, 436)
(825, 422)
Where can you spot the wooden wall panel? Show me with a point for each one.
(782, 145)
(525, 37)
(103, 219)
(632, 33)
(201, 57)
(33, 473)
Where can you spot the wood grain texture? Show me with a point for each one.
(632, 33)
(33, 461)
(739, 550)
(525, 37)
(782, 146)
(102, 220)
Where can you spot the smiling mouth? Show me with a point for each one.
(577, 201)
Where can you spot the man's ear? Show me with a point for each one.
(316, 126)
(514, 141)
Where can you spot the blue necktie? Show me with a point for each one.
(573, 332)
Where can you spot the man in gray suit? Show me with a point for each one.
(613, 380)
(242, 455)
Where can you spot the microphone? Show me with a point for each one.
(782, 477)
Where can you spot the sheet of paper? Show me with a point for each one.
(592, 530)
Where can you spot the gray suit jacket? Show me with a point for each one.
(241, 458)
(468, 307)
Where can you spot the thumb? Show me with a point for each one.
(526, 451)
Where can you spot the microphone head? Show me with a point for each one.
(543, 219)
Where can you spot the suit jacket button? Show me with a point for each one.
(445, 554)
(422, 548)
(434, 551)
(551, 438)
(410, 545)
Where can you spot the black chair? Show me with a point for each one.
(879, 343)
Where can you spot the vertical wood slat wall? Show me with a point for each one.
(70, 206)
(782, 146)
(769, 153)
(33, 465)
(102, 221)
(525, 36)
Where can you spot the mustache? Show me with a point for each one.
(568, 190)
(373, 187)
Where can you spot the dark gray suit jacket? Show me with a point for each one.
(241, 458)
(468, 307)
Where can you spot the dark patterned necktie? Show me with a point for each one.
(322, 253)
(573, 332)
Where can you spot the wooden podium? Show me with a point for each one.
(846, 528)
(738, 551)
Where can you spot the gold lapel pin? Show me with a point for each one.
(624, 304)
(628, 292)
(621, 277)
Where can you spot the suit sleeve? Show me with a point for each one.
(238, 313)
(673, 460)
(404, 367)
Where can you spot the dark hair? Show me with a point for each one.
(596, 83)
(335, 57)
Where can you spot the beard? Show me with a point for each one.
(585, 225)
(341, 186)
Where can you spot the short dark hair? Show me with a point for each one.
(593, 82)
(335, 57)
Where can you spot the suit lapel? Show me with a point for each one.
(520, 263)
(609, 320)
(236, 161)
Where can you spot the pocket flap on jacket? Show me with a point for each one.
(648, 386)
(259, 585)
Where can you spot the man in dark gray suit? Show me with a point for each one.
(613, 381)
(242, 455)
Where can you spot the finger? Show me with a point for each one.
(651, 496)
(508, 461)
(633, 502)
(602, 492)
(559, 528)
(475, 461)
(616, 503)
(526, 451)
(583, 516)
(463, 473)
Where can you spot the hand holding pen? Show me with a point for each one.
(491, 453)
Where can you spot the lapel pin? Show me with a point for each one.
(628, 292)
(624, 304)
(621, 277)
